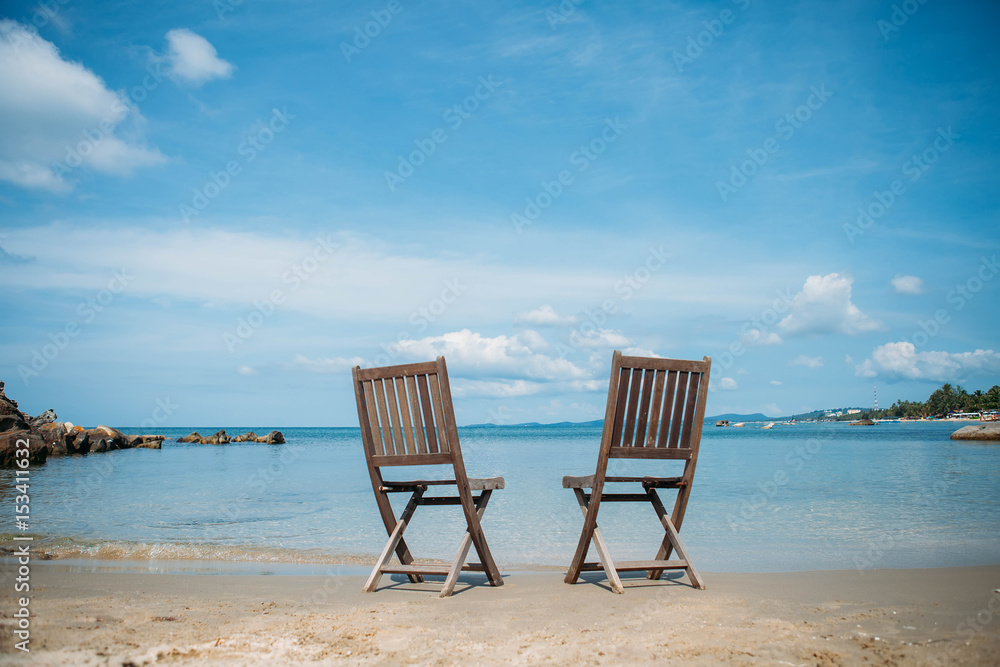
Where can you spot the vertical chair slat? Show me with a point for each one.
(616, 433)
(373, 417)
(383, 413)
(668, 406)
(418, 423)
(678, 417)
(654, 416)
(404, 412)
(692, 396)
(633, 401)
(397, 430)
(425, 405)
(643, 417)
(442, 424)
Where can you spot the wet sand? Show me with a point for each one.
(890, 617)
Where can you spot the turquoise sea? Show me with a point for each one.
(795, 497)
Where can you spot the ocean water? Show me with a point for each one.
(799, 497)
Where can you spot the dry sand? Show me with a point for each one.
(905, 617)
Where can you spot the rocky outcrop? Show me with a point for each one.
(11, 419)
(273, 438)
(37, 449)
(46, 417)
(49, 437)
(146, 441)
(988, 431)
(220, 438)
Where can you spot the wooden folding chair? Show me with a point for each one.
(655, 410)
(407, 419)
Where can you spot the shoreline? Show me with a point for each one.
(932, 616)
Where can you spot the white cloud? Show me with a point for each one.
(57, 111)
(756, 337)
(726, 384)
(824, 306)
(600, 338)
(776, 383)
(533, 340)
(471, 353)
(639, 352)
(902, 361)
(326, 365)
(808, 362)
(193, 60)
(908, 284)
(246, 371)
(465, 388)
(543, 315)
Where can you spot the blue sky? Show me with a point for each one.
(211, 212)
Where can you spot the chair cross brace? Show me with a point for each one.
(412, 569)
(654, 568)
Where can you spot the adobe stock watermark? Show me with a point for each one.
(914, 168)
(958, 298)
(223, 7)
(421, 318)
(582, 159)
(755, 328)
(454, 116)
(562, 12)
(697, 43)
(120, 108)
(785, 129)
(363, 35)
(901, 13)
(252, 145)
(296, 275)
(626, 288)
(795, 460)
(103, 467)
(261, 479)
(87, 311)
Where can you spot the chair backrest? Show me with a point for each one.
(656, 408)
(406, 415)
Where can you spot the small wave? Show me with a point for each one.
(113, 550)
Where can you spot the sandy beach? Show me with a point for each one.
(890, 617)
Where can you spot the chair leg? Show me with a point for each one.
(475, 530)
(394, 539)
(671, 540)
(601, 547)
(389, 519)
(463, 549)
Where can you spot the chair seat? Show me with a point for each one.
(587, 481)
(485, 484)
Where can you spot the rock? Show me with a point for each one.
(273, 438)
(112, 442)
(249, 436)
(220, 438)
(46, 417)
(37, 449)
(194, 437)
(80, 443)
(988, 431)
(98, 444)
(113, 435)
(11, 419)
(147, 441)
(150, 444)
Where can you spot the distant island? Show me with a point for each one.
(943, 402)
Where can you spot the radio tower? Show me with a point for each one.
(875, 390)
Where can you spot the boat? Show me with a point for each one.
(722, 422)
(768, 425)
